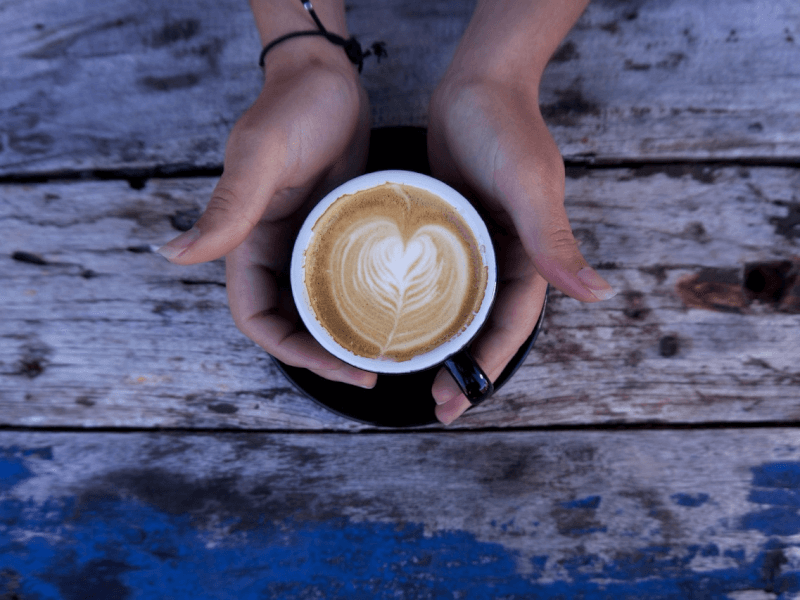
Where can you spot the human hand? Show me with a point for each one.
(489, 141)
(307, 132)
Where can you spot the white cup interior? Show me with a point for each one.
(421, 361)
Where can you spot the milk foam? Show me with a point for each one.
(416, 286)
(393, 272)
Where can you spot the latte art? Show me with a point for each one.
(393, 272)
(413, 287)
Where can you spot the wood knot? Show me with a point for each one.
(33, 360)
(713, 289)
(776, 283)
(635, 307)
(772, 283)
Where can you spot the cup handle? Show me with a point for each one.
(475, 384)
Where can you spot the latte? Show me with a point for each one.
(393, 272)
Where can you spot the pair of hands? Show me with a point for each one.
(308, 132)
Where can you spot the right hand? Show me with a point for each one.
(307, 132)
(488, 140)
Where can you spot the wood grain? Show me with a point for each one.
(669, 80)
(98, 331)
(157, 86)
(664, 103)
(660, 514)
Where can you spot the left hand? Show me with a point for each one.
(306, 133)
(489, 141)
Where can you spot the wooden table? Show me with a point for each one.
(647, 448)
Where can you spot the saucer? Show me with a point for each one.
(396, 401)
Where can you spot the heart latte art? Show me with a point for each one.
(393, 272)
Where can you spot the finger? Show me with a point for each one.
(262, 310)
(555, 253)
(237, 203)
(450, 411)
(300, 349)
(534, 193)
(349, 375)
(513, 318)
(256, 156)
(296, 131)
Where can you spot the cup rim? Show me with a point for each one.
(363, 182)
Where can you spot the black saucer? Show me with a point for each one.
(396, 400)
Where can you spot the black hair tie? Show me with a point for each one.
(351, 46)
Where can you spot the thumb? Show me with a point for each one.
(557, 258)
(533, 189)
(547, 237)
(255, 157)
(235, 207)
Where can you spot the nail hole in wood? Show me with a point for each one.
(668, 346)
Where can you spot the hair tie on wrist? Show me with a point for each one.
(351, 46)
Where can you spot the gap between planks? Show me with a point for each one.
(137, 178)
(601, 427)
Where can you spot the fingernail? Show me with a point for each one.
(599, 287)
(357, 377)
(174, 248)
(447, 415)
(445, 396)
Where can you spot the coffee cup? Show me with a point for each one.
(394, 272)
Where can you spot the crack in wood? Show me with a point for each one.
(35, 259)
(29, 258)
(191, 282)
(788, 226)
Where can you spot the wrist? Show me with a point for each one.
(276, 18)
(299, 54)
(464, 75)
(510, 42)
(499, 65)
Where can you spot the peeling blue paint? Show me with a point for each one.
(539, 563)
(778, 486)
(775, 497)
(12, 466)
(690, 500)
(109, 546)
(738, 555)
(773, 521)
(777, 475)
(125, 549)
(12, 472)
(592, 502)
(578, 531)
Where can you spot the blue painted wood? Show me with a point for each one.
(547, 515)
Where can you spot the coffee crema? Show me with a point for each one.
(393, 271)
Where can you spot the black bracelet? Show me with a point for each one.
(351, 47)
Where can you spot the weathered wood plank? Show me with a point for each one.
(666, 79)
(99, 331)
(665, 515)
(108, 87)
